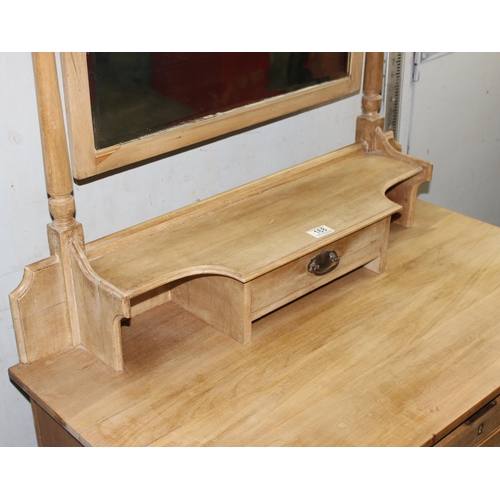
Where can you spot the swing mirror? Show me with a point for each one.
(124, 108)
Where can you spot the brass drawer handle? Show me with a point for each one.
(324, 262)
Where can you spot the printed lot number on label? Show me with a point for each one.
(320, 231)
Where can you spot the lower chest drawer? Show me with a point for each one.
(481, 429)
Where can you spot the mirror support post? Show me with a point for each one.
(371, 101)
(58, 178)
(55, 152)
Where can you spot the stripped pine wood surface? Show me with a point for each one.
(394, 359)
(258, 233)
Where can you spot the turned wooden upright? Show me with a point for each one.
(58, 177)
(371, 101)
(369, 126)
(55, 153)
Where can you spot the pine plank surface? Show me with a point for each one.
(393, 359)
(260, 232)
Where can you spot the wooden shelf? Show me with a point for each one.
(236, 257)
(258, 233)
(228, 260)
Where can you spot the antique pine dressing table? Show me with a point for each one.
(211, 326)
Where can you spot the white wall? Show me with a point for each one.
(126, 198)
(455, 123)
(23, 215)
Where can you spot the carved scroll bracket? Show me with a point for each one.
(404, 193)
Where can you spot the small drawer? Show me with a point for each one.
(293, 280)
(477, 429)
(231, 306)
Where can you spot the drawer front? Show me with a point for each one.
(479, 430)
(491, 440)
(293, 280)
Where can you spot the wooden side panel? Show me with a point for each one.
(403, 193)
(59, 241)
(40, 311)
(378, 265)
(49, 433)
(100, 311)
(222, 302)
(149, 300)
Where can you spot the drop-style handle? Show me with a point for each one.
(324, 262)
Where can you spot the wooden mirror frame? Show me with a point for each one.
(87, 161)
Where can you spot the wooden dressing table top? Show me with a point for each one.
(395, 359)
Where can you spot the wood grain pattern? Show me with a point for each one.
(50, 433)
(403, 193)
(222, 302)
(40, 312)
(395, 359)
(100, 309)
(79, 114)
(492, 440)
(473, 432)
(292, 280)
(258, 233)
(53, 134)
(166, 378)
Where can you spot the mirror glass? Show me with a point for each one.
(139, 93)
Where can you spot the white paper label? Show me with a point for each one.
(320, 231)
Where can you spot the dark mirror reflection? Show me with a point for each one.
(138, 93)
